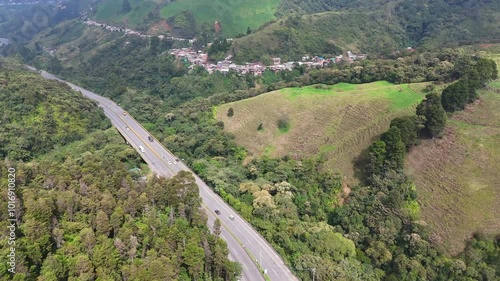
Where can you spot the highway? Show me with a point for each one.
(245, 244)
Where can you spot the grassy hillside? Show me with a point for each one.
(321, 34)
(111, 12)
(234, 16)
(457, 176)
(336, 122)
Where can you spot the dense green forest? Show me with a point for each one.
(84, 211)
(38, 115)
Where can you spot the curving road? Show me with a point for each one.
(245, 244)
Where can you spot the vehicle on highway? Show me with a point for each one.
(150, 138)
(141, 148)
(176, 159)
(217, 212)
(124, 113)
(170, 162)
(128, 129)
(231, 217)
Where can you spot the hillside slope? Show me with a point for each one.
(234, 16)
(375, 28)
(186, 18)
(321, 34)
(38, 115)
(113, 12)
(457, 176)
(336, 122)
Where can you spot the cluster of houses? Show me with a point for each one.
(13, 2)
(132, 32)
(115, 29)
(199, 58)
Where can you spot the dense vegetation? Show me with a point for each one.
(294, 203)
(38, 115)
(388, 153)
(374, 27)
(475, 75)
(83, 213)
(323, 34)
(392, 211)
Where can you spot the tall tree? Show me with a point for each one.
(395, 147)
(377, 155)
(194, 257)
(432, 111)
(456, 95)
(217, 227)
(408, 127)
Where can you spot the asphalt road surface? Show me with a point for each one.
(245, 244)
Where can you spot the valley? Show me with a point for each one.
(317, 140)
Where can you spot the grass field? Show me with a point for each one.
(110, 12)
(336, 122)
(234, 15)
(458, 176)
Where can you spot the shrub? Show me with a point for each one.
(283, 124)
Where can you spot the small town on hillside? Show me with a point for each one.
(200, 58)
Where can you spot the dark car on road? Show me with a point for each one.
(150, 138)
(217, 212)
